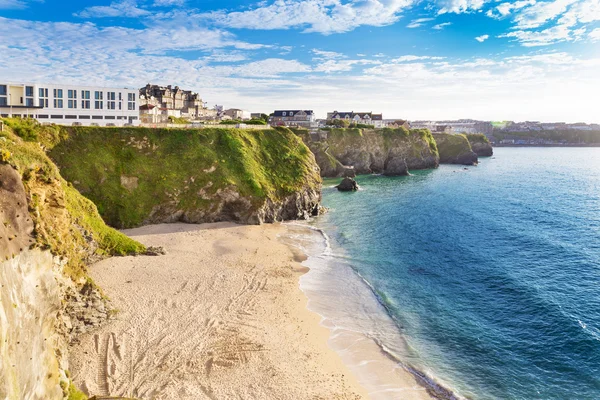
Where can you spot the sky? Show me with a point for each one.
(412, 59)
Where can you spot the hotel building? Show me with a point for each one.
(70, 104)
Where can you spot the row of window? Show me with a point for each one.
(84, 117)
(72, 99)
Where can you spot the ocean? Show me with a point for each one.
(483, 280)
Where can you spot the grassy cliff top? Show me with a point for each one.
(390, 136)
(477, 138)
(64, 221)
(452, 145)
(128, 171)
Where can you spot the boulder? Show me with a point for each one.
(347, 185)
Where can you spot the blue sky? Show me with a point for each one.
(437, 59)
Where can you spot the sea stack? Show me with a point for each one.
(347, 185)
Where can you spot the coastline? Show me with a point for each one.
(361, 326)
(221, 315)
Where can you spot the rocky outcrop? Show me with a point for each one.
(145, 176)
(385, 151)
(347, 185)
(455, 149)
(480, 145)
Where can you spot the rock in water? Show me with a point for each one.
(347, 185)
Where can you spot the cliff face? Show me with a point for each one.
(455, 149)
(48, 235)
(480, 145)
(141, 176)
(386, 151)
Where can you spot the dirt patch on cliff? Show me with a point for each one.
(16, 226)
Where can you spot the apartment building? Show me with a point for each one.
(70, 104)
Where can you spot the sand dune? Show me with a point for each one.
(219, 317)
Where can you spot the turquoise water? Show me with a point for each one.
(491, 273)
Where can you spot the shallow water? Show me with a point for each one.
(488, 277)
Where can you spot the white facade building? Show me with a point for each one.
(70, 104)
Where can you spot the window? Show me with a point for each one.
(84, 117)
(56, 116)
(109, 117)
(131, 101)
(284, 113)
(70, 116)
(58, 103)
(2, 90)
(72, 103)
(111, 96)
(3, 101)
(58, 93)
(29, 91)
(96, 116)
(291, 113)
(85, 94)
(42, 116)
(29, 102)
(72, 94)
(98, 104)
(85, 102)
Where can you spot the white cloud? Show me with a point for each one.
(124, 8)
(323, 16)
(594, 35)
(555, 34)
(12, 4)
(415, 23)
(505, 9)
(441, 26)
(410, 58)
(168, 3)
(482, 38)
(320, 54)
(330, 66)
(538, 14)
(459, 6)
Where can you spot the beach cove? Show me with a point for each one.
(220, 315)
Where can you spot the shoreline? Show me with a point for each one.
(364, 353)
(221, 315)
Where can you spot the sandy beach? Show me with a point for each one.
(220, 316)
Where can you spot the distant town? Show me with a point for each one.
(171, 106)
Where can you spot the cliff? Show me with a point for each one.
(386, 151)
(141, 176)
(49, 233)
(480, 144)
(455, 149)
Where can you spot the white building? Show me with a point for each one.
(70, 104)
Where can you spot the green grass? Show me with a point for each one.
(175, 165)
(477, 138)
(75, 394)
(63, 233)
(452, 145)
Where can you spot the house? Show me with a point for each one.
(367, 118)
(150, 114)
(442, 129)
(237, 114)
(188, 103)
(305, 118)
(70, 104)
(398, 123)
